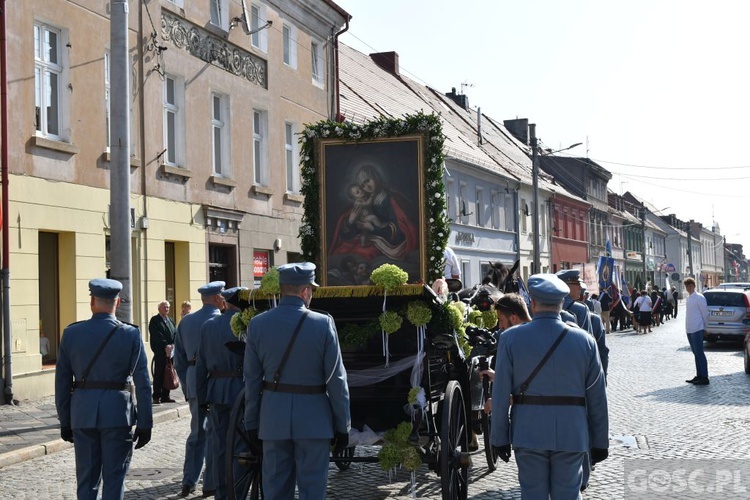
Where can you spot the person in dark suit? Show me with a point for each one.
(562, 413)
(218, 381)
(305, 402)
(187, 342)
(100, 361)
(161, 330)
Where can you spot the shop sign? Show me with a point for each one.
(633, 255)
(260, 263)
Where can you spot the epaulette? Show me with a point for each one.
(573, 324)
(77, 322)
(130, 324)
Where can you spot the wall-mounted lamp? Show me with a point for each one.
(277, 244)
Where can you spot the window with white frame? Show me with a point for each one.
(290, 155)
(48, 80)
(318, 66)
(450, 188)
(260, 145)
(289, 34)
(220, 133)
(479, 206)
(174, 121)
(259, 37)
(220, 13)
(463, 214)
(509, 212)
(494, 212)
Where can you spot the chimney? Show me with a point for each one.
(387, 61)
(460, 99)
(518, 128)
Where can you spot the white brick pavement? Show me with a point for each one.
(648, 399)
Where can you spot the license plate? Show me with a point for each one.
(721, 313)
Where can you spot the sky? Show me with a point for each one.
(658, 91)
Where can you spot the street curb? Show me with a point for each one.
(39, 450)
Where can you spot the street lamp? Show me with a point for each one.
(535, 184)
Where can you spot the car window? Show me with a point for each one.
(725, 299)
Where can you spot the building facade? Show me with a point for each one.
(217, 98)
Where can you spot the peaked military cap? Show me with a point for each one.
(570, 276)
(232, 296)
(105, 288)
(547, 288)
(213, 288)
(299, 273)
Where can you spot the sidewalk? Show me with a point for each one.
(31, 429)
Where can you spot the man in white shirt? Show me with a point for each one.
(452, 267)
(696, 319)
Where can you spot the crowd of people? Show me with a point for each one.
(640, 310)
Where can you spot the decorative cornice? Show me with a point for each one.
(213, 50)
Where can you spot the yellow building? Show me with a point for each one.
(218, 96)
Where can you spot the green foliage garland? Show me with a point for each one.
(389, 276)
(241, 320)
(354, 335)
(418, 313)
(438, 224)
(390, 321)
(397, 450)
(269, 283)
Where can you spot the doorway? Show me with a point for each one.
(49, 297)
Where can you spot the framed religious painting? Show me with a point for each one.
(376, 203)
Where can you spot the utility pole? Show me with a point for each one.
(119, 148)
(535, 181)
(643, 229)
(690, 250)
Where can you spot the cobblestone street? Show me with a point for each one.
(652, 411)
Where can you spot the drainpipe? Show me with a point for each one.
(8, 375)
(336, 99)
(144, 165)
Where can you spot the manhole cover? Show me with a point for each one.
(149, 474)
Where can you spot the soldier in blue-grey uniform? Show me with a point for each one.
(572, 278)
(100, 361)
(218, 381)
(305, 401)
(186, 346)
(562, 412)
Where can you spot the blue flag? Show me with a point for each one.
(524, 293)
(604, 271)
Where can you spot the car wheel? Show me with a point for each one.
(747, 360)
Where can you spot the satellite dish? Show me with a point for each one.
(674, 276)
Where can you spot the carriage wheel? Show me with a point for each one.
(489, 451)
(454, 445)
(243, 468)
(348, 453)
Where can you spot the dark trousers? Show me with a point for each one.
(160, 363)
(102, 454)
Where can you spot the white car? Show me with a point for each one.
(728, 314)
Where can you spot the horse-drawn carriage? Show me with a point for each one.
(427, 377)
(416, 379)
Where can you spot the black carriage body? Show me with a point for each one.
(381, 406)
